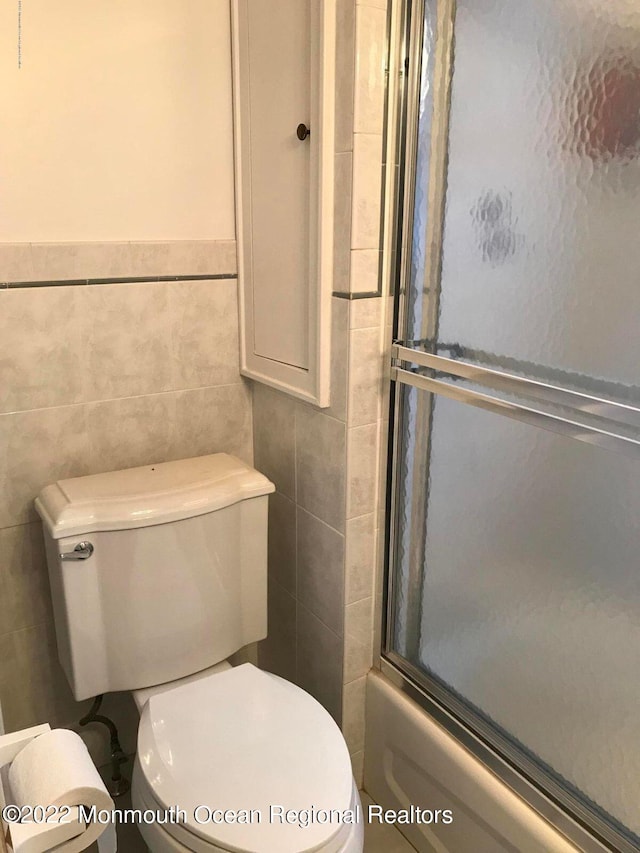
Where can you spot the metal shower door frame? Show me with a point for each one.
(581, 821)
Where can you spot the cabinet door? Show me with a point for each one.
(283, 78)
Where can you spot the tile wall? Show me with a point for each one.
(325, 463)
(102, 376)
(96, 377)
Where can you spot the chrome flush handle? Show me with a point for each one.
(82, 551)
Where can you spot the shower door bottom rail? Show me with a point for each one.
(578, 821)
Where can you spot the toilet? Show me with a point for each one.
(158, 575)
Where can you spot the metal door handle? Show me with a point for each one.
(82, 551)
(302, 131)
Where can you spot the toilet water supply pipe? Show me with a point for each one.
(119, 785)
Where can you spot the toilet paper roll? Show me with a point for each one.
(56, 769)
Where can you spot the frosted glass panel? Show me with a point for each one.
(422, 180)
(540, 246)
(530, 600)
(411, 445)
(516, 551)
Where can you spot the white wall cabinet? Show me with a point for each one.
(283, 66)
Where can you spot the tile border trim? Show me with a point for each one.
(154, 279)
(371, 294)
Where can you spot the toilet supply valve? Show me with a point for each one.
(118, 784)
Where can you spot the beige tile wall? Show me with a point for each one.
(117, 375)
(56, 261)
(368, 357)
(325, 463)
(95, 378)
(303, 451)
(361, 49)
(323, 525)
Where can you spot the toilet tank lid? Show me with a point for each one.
(151, 494)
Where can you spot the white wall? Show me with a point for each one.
(118, 126)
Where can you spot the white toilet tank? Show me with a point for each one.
(156, 572)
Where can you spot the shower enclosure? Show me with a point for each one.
(513, 599)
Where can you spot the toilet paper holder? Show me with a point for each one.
(32, 837)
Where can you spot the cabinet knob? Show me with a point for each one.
(302, 131)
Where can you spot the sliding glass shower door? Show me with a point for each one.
(514, 564)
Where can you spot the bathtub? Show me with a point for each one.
(410, 760)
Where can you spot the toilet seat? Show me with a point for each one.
(178, 839)
(246, 740)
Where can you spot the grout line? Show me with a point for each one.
(349, 406)
(20, 524)
(364, 329)
(360, 600)
(347, 479)
(282, 589)
(324, 625)
(295, 641)
(12, 413)
(42, 623)
(363, 515)
(296, 653)
(321, 520)
(359, 426)
(295, 557)
(340, 637)
(315, 410)
(296, 410)
(353, 681)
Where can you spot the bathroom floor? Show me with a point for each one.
(377, 838)
(129, 839)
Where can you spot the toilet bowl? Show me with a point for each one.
(253, 762)
(158, 574)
